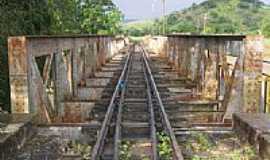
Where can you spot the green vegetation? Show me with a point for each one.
(84, 16)
(125, 150)
(213, 16)
(145, 158)
(199, 142)
(46, 17)
(76, 148)
(136, 39)
(200, 146)
(139, 28)
(164, 147)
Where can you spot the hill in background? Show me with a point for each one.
(212, 16)
(138, 28)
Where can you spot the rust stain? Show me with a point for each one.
(66, 79)
(17, 55)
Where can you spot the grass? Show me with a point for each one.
(136, 39)
(200, 146)
(83, 150)
(125, 150)
(165, 150)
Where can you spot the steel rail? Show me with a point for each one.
(152, 115)
(176, 149)
(108, 117)
(118, 127)
(117, 140)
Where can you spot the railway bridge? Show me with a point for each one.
(109, 97)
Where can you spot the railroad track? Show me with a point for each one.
(135, 115)
(135, 107)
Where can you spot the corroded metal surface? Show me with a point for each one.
(46, 70)
(252, 73)
(204, 60)
(199, 58)
(18, 75)
(72, 80)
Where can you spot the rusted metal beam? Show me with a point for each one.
(203, 59)
(18, 74)
(47, 69)
(40, 93)
(27, 91)
(208, 36)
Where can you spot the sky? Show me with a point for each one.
(148, 9)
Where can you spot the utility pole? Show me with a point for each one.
(153, 13)
(164, 16)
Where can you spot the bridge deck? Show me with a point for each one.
(186, 92)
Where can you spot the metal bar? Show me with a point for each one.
(177, 151)
(152, 116)
(180, 133)
(47, 69)
(41, 93)
(265, 96)
(108, 117)
(117, 137)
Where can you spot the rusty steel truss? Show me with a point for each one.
(46, 70)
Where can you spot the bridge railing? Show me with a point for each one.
(205, 60)
(46, 70)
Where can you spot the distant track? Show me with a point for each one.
(135, 114)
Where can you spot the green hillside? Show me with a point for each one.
(219, 16)
(138, 28)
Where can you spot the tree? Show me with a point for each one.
(100, 16)
(183, 27)
(265, 23)
(19, 18)
(65, 16)
(44, 17)
(265, 27)
(219, 16)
